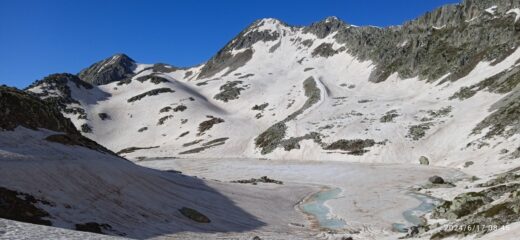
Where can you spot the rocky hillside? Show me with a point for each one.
(442, 90)
(54, 176)
(443, 86)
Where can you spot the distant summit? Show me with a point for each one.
(112, 69)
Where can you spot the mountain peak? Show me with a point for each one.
(266, 24)
(272, 21)
(111, 69)
(326, 26)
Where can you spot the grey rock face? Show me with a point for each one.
(224, 59)
(447, 40)
(462, 205)
(505, 117)
(480, 209)
(273, 137)
(417, 132)
(353, 147)
(244, 40)
(55, 90)
(229, 91)
(323, 28)
(19, 108)
(153, 92)
(325, 50)
(389, 116)
(208, 124)
(112, 69)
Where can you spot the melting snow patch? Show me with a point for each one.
(491, 10)
(515, 11)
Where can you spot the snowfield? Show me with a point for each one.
(277, 117)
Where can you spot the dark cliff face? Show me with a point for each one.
(112, 69)
(244, 40)
(19, 108)
(451, 39)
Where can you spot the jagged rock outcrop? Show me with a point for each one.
(115, 68)
(245, 39)
(18, 108)
(56, 90)
(451, 39)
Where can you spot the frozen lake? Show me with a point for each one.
(359, 196)
(316, 206)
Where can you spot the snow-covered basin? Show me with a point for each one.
(372, 195)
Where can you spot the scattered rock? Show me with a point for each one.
(229, 91)
(424, 160)
(23, 207)
(353, 147)
(255, 181)
(180, 108)
(165, 109)
(184, 134)
(153, 92)
(415, 231)
(462, 205)
(153, 79)
(85, 128)
(194, 215)
(133, 149)
(162, 120)
(417, 132)
(389, 116)
(260, 107)
(325, 50)
(93, 227)
(103, 116)
(208, 124)
(436, 180)
(468, 163)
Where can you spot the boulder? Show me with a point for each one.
(424, 160)
(436, 180)
(194, 215)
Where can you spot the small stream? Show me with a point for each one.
(316, 207)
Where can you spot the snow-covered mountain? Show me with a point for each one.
(51, 175)
(441, 90)
(441, 86)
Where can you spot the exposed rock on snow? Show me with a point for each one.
(112, 69)
(424, 160)
(444, 85)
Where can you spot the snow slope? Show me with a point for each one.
(443, 86)
(349, 107)
(76, 185)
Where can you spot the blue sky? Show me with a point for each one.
(40, 37)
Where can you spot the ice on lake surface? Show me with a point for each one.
(414, 216)
(316, 207)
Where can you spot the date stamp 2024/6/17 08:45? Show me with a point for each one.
(475, 228)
